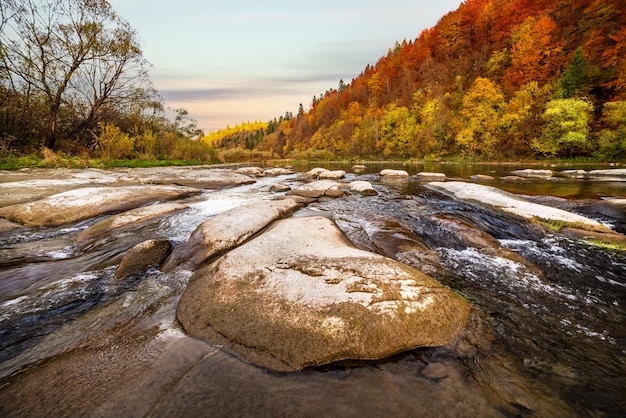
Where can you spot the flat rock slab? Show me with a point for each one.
(510, 203)
(227, 230)
(203, 178)
(132, 217)
(88, 202)
(300, 295)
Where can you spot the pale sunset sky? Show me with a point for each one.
(246, 60)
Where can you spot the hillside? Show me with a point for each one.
(493, 79)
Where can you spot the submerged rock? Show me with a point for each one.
(300, 295)
(88, 202)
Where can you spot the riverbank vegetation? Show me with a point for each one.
(494, 80)
(74, 87)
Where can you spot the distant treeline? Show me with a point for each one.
(493, 79)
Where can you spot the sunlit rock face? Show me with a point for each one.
(512, 204)
(319, 188)
(225, 231)
(301, 295)
(88, 202)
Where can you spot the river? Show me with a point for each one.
(546, 337)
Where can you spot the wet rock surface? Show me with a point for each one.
(89, 202)
(302, 296)
(88, 326)
(227, 230)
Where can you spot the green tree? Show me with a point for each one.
(575, 78)
(566, 127)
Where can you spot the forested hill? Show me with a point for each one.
(493, 79)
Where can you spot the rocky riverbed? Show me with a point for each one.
(273, 291)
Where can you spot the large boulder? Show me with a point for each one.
(88, 202)
(300, 295)
(228, 230)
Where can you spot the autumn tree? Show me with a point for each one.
(534, 54)
(612, 139)
(79, 56)
(482, 113)
(566, 129)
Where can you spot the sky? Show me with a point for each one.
(232, 61)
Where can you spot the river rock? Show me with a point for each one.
(331, 175)
(300, 295)
(202, 178)
(394, 173)
(278, 171)
(616, 173)
(363, 187)
(225, 231)
(359, 169)
(141, 257)
(88, 202)
(280, 187)
(482, 177)
(318, 188)
(131, 217)
(251, 171)
(429, 176)
(515, 205)
(315, 172)
(386, 236)
(576, 174)
(530, 173)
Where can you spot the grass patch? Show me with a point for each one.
(607, 245)
(12, 163)
(551, 224)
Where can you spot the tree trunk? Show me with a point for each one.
(50, 141)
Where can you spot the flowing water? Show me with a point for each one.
(546, 337)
